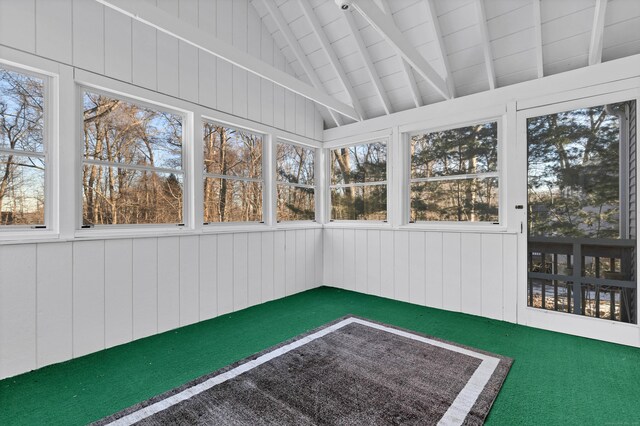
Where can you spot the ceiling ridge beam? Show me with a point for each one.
(371, 69)
(597, 32)
(147, 14)
(292, 41)
(406, 68)
(333, 58)
(537, 28)
(486, 44)
(435, 25)
(387, 29)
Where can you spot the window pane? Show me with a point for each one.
(466, 150)
(294, 164)
(232, 200)
(359, 203)
(295, 203)
(360, 163)
(21, 190)
(232, 152)
(574, 172)
(118, 131)
(114, 195)
(470, 200)
(21, 111)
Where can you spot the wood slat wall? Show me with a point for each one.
(59, 301)
(472, 273)
(87, 35)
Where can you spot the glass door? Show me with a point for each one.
(581, 210)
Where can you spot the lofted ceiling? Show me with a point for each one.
(472, 45)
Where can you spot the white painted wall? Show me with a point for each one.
(69, 293)
(62, 300)
(479, 270)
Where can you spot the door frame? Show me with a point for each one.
(602, 329)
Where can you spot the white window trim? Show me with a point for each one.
(340, 223)
(266, 210)
(50, 155)
(288, 223)
(463, 226)
(129, 230)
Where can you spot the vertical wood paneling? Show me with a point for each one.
(145, 287)
(188, 56)
(319, 257)
(117, 45)
(290, 111)
(208, 276)
(88, 35)
(268, 264)
(401, 266)
(327, 254)
(266, 87)
(254, 268)
(290, 262)
(239, 39)
(360, 266)
(310, 263)
(373, 263)
(387, 264)
(348, 254)
(17, 309)
(492, 294)
(17, 24)
(189, 280)
(337, 253)
(167, 67)
(207, 62)
(471, 273)
(433, 264)
(168, 283)
(417, 273)
(301, 112)
(279, 265)
(224, 73)
(451, 272)
(300, 261)
(254, 35)
(510, 277)
(144, 55)
(54, 26)
(278, 94)
(88, 297)
(118, 292)
(225, 273)
(55, 294)
(240, 263)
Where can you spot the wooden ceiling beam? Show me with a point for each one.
(387, 29)
(597, 33)
(147, 14)
(432, 15)
(486, 44)
(331, 54)
(537, 28)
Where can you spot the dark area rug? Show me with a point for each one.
(349, 372)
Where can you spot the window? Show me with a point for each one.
(233, 183)
(454, 174)
(132, 164)
(22, 149)
(295, 182)
(359, 182)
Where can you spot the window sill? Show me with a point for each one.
(355, 224)
(461, 227)
(28, 237)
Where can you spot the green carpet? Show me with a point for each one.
(555, 378)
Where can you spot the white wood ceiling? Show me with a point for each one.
(525, 39)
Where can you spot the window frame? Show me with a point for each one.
(484, 226)
(185, 170)
(208, 226)
(386, 140)
(50, 226)
(277, 182)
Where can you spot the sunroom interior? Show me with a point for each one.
(187, 183)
